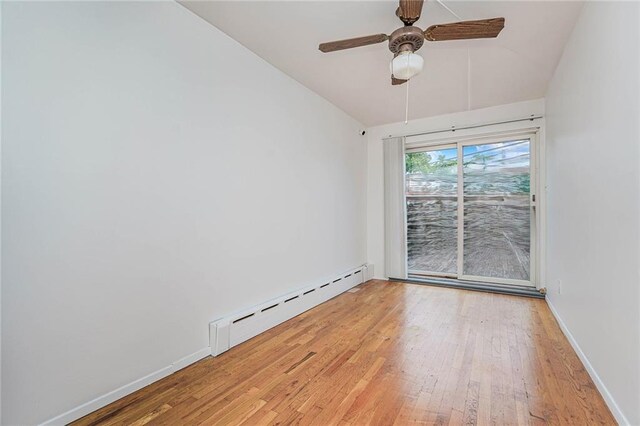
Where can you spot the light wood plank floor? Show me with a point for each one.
(389, 353)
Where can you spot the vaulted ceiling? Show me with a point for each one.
(457, 75)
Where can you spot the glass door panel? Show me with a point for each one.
(431, 188)
(497, 214)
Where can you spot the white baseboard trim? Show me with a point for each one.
(190, 359)
(108, 398)
(608, 398)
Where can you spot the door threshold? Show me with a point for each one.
(475, 286)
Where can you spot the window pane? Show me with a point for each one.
(496, 210)
(431, 191)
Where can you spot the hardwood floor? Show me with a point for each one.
(390, 353)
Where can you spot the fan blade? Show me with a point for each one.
(332, 46)
(483, 28)
(409, 11)
(397, 81)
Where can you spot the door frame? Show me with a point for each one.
(537, 200)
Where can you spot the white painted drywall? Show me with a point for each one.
(593, 179)
(0, 213)
(156, 175)
(375, 169)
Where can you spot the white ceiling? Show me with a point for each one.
(458, 75)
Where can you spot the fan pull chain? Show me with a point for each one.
(406, 106)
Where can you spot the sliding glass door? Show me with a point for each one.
(497, 211)
(469, 211)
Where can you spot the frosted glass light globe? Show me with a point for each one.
(406, 65)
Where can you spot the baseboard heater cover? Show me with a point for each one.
(232, 330)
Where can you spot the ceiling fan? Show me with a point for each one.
(406, 40)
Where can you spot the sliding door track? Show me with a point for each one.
(474, 285)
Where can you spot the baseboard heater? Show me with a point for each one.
(232, 330)
(475, 286)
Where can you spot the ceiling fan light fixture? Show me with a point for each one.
(406, 65)
(408, 39)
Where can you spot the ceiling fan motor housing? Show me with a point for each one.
(406, 37)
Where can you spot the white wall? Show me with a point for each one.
(375, 170)
(593, 178)
(156, 175)
(0, 213)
